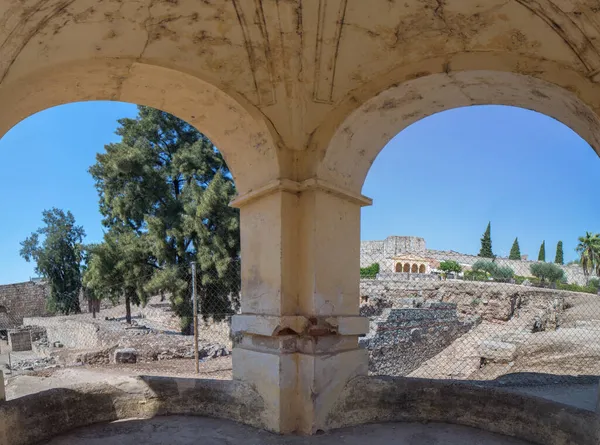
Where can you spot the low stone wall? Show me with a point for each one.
(71, 333)
(39, 417)
(400, 340)
(398, 399)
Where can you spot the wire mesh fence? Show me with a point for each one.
(103, 336)
(444, 315)
(433, 314)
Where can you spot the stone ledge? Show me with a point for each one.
(273, 326)
(401, 399)
(38, 417)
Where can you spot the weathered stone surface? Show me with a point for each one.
(497, 351)
(126, 355)
(401, 339)
(59, 410)
(398, 399)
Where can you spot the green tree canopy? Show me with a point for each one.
(515, 251)
(542, 253)
(450, 266)
(589, 253)
(547, 272)
(498, 273)
(486, 243)
(120, 267)
(369, 271)
(57, 250)
(165, 182)
(559, 258)
(485, 266)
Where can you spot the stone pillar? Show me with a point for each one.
(300, 299)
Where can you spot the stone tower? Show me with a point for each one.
(397, 245)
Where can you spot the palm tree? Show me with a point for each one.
(589, 251)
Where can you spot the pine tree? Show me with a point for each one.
(486, 243)
(558, 259)
(515, 251)
(166, 183)
(542, 254)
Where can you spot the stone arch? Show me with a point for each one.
(374, 116)
(422, 268)
(406, 268)
(398, 267)
(414, 269)
(236, 128)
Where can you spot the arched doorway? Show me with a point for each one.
(406, 268)
(422, 268)
(398, 267)
(414, 268)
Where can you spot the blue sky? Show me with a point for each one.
(529, 175)
(444, 177)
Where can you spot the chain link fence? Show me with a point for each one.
(444, 315)
(433, 314)
(98, 340)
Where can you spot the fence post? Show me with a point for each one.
(195, 309)
(2, 389)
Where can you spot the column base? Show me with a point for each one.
(298, 389)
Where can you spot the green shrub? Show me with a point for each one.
(369, 271)
(577, 288)
(595, 283)
(476, 275)
(503, 274)
(450, 266)
(485, 266)
(547, 272)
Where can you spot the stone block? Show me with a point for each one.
(125, 355)
(19, 340)
(497, 351)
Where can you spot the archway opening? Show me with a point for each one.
(398, 267)
(131, 198)
(519, 170)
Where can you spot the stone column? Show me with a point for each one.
(299, 325)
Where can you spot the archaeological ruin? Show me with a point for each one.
(407, 257)
(300, 97)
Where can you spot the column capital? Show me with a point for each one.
(295, 187)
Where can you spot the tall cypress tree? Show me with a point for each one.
(558, 259)
(542, 254)
(486, 243)
(515, 251)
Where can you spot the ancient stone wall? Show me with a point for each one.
(400, 339)
(490, 301)
(382, 252)
(70, 333)
(20, 300)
